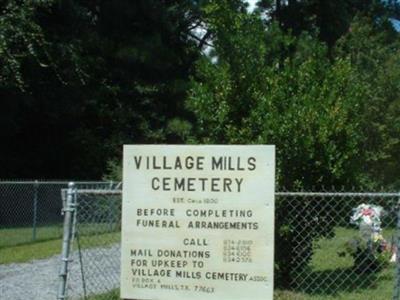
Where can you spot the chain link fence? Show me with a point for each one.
(31, 229)
(336, 250)
(327, 255)
(30, 211)
(95, 240)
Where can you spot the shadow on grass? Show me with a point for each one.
(333, 282)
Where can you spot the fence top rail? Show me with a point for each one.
(118, 185)
(339, 194)
(96, 191)
(290, 194)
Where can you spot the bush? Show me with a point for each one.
(369, 256)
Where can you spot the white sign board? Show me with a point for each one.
(198, 222)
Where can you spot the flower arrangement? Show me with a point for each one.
(370, 250)
(368, 216)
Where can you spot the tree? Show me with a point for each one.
(80, 78)
(330, 19)
(266, 86)
(246, 97)
(374, 51)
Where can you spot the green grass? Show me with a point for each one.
(113, 295)
(326, 263)
(10, 237)
(47, 248)
(330, 276)
(23, 235)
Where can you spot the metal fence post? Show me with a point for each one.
(35, 200)
(69, 212)
(110, 210)
(396, 294)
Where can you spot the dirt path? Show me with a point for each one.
(39, 280)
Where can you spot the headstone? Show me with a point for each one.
(198, 222)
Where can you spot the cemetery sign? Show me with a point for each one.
(198, 222)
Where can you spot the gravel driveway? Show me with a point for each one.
(38, 279)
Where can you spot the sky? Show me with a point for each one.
(252, 5)
(396, 24)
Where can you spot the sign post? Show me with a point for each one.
(198, 222)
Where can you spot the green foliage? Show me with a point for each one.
(319, 79)
(113, 171)
(329, 19)
(79, 79)
(374, 51)
(84, 78)
(326, 116)
(20, 37)
(307, 105)
(369, 256)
